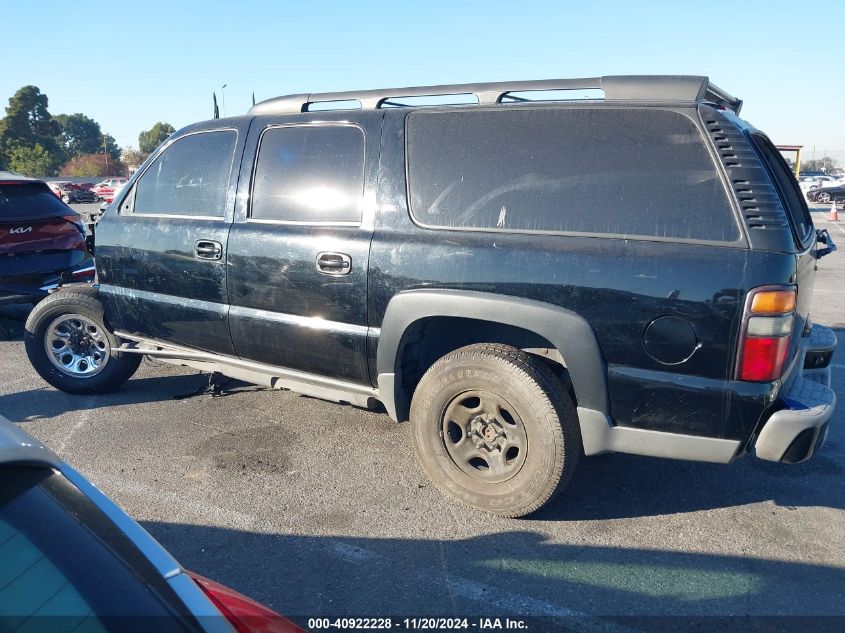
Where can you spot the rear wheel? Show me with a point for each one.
(823, 197)
(70, 347)
(495, 429)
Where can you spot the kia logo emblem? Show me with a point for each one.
(21, 229)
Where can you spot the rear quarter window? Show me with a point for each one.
(632, 172)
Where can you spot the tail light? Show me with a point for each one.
(766, 333)
(75, 219)
(244, 614)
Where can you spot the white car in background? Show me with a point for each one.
(829, 181)
(807, 183)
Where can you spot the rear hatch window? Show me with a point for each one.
(29, 201)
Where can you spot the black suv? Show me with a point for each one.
(524, 278)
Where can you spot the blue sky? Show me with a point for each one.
(128, 65)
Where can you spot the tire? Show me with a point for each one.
(66, 199)
(823, 198)
(75, 316)
(480, 390)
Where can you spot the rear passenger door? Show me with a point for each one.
(299, 248)
(162, 257)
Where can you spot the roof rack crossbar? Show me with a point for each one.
(651, 88)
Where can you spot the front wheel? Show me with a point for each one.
(824, 198)
(495, 429)
(70, 346)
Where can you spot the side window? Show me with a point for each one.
(633, 172)
(309, 174)
(191, 177)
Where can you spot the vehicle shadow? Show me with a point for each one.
(498, 575)
(12, 319)
(47, 402)
(10, 330)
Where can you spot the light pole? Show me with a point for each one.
(223, 98)
(106, 152)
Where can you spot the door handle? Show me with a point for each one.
(208, 249)
(331, 263)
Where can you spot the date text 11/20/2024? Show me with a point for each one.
(416, 624)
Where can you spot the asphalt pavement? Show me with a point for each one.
(319, 509)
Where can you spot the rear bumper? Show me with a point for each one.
(794, 433)
(68, 266)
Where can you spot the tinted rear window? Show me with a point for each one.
(29, 200)
(310, 174)
(65, 566)
(631, 172)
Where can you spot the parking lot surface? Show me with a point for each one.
(318, 509)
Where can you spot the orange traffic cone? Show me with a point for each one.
(833, 216)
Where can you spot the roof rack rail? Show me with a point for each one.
(651, 88)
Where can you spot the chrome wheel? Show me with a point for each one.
(484, 436)
(77, 346)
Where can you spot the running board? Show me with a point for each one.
(255, 373)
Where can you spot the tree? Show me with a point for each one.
(825, 164)
(133, 158)
(112, 147)
(89, 165)
(27, 125)
(32, 161)
(148, 140)
(82, 135)
(79, 134)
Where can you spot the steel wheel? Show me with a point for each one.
(484, 436)
(77, 346)
(495, 429)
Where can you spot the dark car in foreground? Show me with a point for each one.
(72, 560)
(42, 241)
